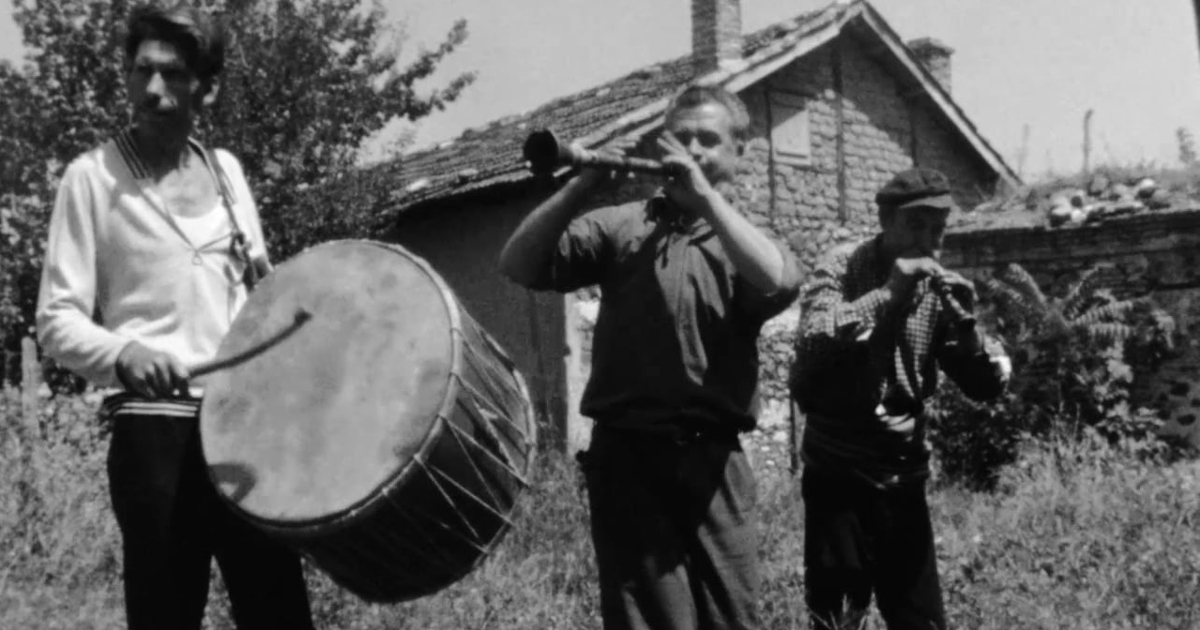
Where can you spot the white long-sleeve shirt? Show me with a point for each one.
(120, 268)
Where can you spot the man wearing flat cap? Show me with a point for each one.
(877, 324)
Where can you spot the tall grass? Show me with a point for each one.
(1078, 535)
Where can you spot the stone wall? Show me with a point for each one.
(881, 132)
(1152, 254)
(799, 198)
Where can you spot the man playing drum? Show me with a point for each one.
(686, 284)
(878, 319)
(144, 272)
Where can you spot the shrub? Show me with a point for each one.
(1073, 364)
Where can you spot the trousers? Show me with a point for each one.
(173, 524)
(859, 540)
(674, 530)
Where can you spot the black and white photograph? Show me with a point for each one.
(579, 315)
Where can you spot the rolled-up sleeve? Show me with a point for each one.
(580, 258)
(759, 305)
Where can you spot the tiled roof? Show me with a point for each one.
(492, 154)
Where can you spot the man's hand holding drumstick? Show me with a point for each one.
(152, 373)
(157, 374)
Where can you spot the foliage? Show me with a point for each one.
(1078, 535)
(306, 82)
(1073, 356)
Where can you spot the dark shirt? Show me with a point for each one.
(677, 332)
(861, 364)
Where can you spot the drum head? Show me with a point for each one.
(315, 425)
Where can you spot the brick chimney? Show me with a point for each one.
(935, 56)
(716, 34)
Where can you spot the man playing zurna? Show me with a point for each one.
(686, 284)
(878, 319)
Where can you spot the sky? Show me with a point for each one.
(1016, 63)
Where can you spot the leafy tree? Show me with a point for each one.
(306, 82)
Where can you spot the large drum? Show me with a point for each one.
(387, 438)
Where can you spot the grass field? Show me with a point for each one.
(1078, 536)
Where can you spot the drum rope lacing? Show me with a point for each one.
(503, 458)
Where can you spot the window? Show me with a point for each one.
(791, 135)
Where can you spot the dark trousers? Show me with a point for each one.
(860, 540)
(673, 526)
(172, 525)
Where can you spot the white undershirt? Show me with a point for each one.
(207, 228)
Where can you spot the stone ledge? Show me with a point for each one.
(1162, 231)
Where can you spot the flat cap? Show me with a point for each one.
(916, 187)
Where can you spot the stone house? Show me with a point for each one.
(838, 101)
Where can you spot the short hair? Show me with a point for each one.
(199, 37)
(697, 95)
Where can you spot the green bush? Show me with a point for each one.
(1073, 361)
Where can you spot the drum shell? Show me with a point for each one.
(441, 513)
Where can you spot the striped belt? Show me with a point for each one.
(130, 404)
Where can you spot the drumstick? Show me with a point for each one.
(208, 367)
